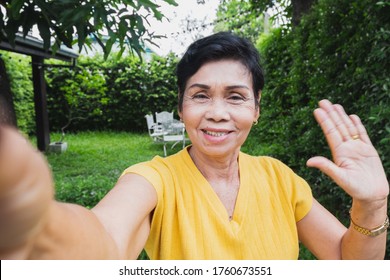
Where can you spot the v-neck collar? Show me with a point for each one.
(212, 198)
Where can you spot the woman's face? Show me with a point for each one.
(219, 108)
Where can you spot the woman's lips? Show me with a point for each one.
(215, 133)
(216, 136)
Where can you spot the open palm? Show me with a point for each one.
(356, 166)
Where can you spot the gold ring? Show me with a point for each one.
(355, 137)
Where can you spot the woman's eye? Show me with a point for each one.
(236, 98)
(200, 96)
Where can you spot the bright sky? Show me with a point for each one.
(177, 40)
(172, 27)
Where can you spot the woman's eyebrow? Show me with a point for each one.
(236, 87)
(204, 86)
(199, 86)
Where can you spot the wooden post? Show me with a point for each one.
(41, 114)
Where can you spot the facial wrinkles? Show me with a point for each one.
(216, 84)
(233, 96)
(219, 99)
(220, 112)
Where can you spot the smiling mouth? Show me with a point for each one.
(214, 133)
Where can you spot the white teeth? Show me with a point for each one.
(215, 134)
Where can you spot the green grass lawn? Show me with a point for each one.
(94, 161)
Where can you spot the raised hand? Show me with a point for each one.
(26, 190)
(356, 166)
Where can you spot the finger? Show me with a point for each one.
(326, 166)
(338, 122)
(323, 164)
(11, 147)
(332, 135)
(349, 124)
(361, 130)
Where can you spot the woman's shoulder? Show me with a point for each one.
(267, 165)
(262, 159)
(161, 165)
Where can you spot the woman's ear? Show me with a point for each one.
(259, 98)
(179, 106)
(180, 114)
(258, 105)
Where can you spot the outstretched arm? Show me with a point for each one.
(356, 168)
(34, 226)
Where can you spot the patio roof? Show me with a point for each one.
(33, 47)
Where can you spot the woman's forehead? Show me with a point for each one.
(231, 71)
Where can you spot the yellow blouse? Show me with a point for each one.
(190, 222)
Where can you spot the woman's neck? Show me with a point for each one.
(222, 175)
(216, 168)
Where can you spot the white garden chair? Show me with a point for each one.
(164, 117)
(176, 138)
(166, 130)
(156, 131)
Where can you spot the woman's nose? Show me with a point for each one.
(218, 110)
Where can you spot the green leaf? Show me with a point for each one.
(15, 6)
(148, 4)
(140, 25)
(122, 11)
(55, 47)
(44, 32)
(108, 46)
(11, 29)
(120, 53)
(171, 2)
(157, 14)
(122, 29)
(64, 37)
(80, 15)
(81, 35)
(30, 19)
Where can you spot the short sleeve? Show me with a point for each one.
(150, 173)
(302, 198)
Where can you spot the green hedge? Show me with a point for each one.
(340, 51)
(112, 94)
(19, 72)
(97, 94)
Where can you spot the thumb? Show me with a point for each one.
(325, 165)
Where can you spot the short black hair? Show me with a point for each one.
(219, 46)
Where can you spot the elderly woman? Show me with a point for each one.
(210, 200)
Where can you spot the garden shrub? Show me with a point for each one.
(113, 94)
(340, 52)
(19, 72)
(76, 96)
